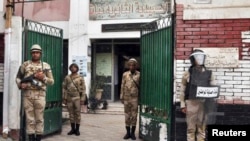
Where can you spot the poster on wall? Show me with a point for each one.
(127, 9)
(104, 64)
(81, 61)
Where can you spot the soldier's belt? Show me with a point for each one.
(35, 89)
(75, 94)
(132, 95)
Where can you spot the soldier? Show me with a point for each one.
(32, 78)
(74, 95)
(129, 97)
(192, 106)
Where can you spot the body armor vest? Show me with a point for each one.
(197, 78)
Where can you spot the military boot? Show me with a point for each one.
(127, 136)
(72, 131)
(38, 137)
(31, 137)
(77, 132)
(133, 133)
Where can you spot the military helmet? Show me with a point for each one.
(74, 65)
(132, 60)
(197, 57)
(36, 47)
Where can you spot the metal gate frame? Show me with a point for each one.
(51, 40)
(156, 93)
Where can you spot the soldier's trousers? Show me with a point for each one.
(74, 109)
(196, 120)
(131, 110)
(34, 104)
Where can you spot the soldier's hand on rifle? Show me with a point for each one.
(39, 75)
(23, 85)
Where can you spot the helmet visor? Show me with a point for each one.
(199, 58)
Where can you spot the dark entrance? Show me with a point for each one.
(114, 53)
(125, 52)
(1, 61)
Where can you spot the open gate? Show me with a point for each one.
(156, 93)
(51, 40)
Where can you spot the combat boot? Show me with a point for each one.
(38, 137)
(77, 132)
(31, 137)
(133, 133)
(127, 136)
(72, 131)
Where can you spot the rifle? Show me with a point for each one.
(32, 79)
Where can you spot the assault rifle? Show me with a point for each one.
(32, 79)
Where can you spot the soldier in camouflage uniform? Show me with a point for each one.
(129, 96)
(74, 95)
(194, 108)
(34, 91)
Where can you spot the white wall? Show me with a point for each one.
(222, 9)
(2, 22)
(77, 34)
(1, 6)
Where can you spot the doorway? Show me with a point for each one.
(112, 55)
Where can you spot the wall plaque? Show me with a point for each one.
(222, 57)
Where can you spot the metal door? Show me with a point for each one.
(51, 40)
(156, 93)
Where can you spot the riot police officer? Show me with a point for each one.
(192, 106)
(34, 91)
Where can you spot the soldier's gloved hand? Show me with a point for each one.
(39, 75)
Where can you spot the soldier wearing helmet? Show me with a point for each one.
(129, 96)
(74, 95)
(191, 105)
(34, 91)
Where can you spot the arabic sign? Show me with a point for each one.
(208, 92)
(221, 57)
(129, 9)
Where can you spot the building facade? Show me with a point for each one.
(103, 34)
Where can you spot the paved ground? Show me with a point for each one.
(102, 126)
(105, 125)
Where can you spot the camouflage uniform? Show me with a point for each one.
(130, 94)
(195, 116)
(73, 95)
(34, 96)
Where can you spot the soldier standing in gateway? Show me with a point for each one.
(74, 95)
(129, 96)
(34, 91)
(195, 107)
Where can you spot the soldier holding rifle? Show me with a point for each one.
(32, 78)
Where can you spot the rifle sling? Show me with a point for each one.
(75, 85)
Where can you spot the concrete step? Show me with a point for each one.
(112, 108)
